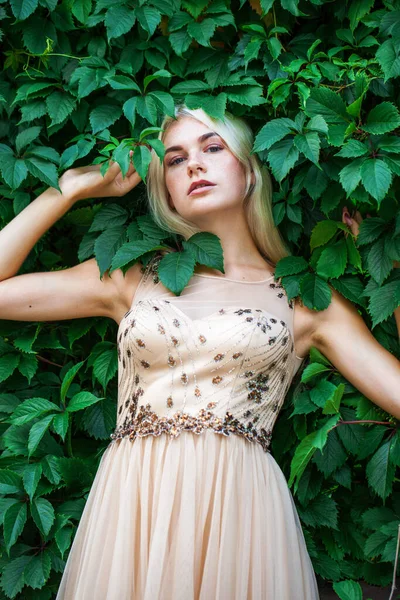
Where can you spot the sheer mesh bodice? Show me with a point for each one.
(220, 356)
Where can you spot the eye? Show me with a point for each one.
(174, 161)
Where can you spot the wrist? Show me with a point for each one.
(66, 196)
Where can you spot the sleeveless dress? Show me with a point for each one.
(188, 502)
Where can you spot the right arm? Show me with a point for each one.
(70, 293)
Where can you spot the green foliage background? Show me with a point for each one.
(318, 82)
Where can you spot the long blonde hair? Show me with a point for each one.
(239, 138)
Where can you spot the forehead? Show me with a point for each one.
(185, 129)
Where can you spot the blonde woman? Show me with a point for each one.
(188, 501)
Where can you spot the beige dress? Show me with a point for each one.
(188, 501)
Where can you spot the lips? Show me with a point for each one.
(196, 183)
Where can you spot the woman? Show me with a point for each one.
(171, 514)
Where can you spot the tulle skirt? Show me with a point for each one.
(198, 517)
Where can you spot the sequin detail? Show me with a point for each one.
(147, 422)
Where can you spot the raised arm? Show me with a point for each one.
(71, 293)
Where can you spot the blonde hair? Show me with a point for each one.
(239, 138)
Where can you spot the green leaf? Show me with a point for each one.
(323, 232)
(294, 213)
(119, 20)
(148, 17)
(309, 145)
(322, 392)
(348, 590)
(370, 230)
(31, 409)
(383, 118)
(301, 458)
(68, 379)
(121, 82)
(14, 521)
(388, 57)
(37, 571)
(24, 138)
(142, 160)
(43, 170)
(292, 6)
(380, 471)
(81, 9)
(214, 106)
(22, 9)
(37, 432)
(28, 366)
(180, 41)
(356, 11)
(353, 149)
(59, 105)
(105, 367)
(320, 512)
(379, 264)
(8, 364)
(43, 514)
(131, 251)
(290, 265)
(282, 157)
(272, 132)
(14, 170)
(82, 400)
(376, 177)
(318, 123)
(350, 176)
(333, 403)
(206, 249)
(384, 300)
(31, 478)
(60, 425)
(13, 575)
(109, 215)
(315, 292)
(202, 31)
(176, 269)
(190, 87)
(129, 109)
(103, 116)
(333, 260)
(328, 105)
(107, 244)
(313, 370)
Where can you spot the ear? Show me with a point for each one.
(253, 178)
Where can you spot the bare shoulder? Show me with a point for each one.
(312, 327)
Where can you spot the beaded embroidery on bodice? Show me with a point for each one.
(220, 356)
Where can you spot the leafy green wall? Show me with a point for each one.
(318, 82)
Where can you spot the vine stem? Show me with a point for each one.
(49, 362)
(395, 564)
(363, 421)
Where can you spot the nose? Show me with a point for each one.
(194, 163)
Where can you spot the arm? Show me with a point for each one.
(342, 336)
(70, 293)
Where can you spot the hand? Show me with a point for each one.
(354, 221)
(80, 183)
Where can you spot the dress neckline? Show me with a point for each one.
(233, 280)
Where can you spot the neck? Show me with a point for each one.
(242, 259)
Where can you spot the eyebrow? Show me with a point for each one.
(202, 138)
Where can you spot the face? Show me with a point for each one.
(195, 152)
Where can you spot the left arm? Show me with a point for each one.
(341, 334)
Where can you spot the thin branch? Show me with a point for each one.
(395, 564)
(49, 362)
